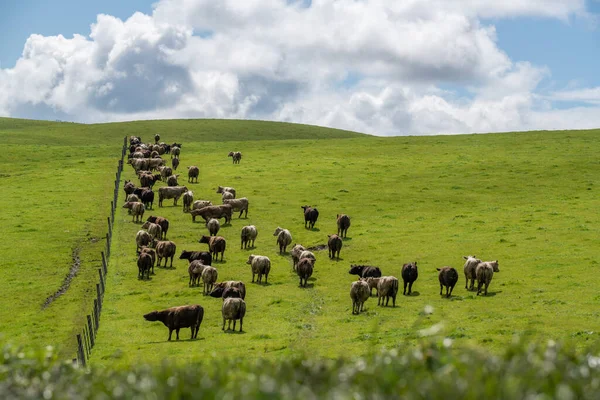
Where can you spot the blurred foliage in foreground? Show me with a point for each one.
(433, 369)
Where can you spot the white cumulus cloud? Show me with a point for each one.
(382, 67)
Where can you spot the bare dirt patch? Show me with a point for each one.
(67, 281)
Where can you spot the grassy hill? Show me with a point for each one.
(526, 199)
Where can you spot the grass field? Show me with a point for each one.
(526, 199)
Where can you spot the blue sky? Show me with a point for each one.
(559, 53)
(21, 18)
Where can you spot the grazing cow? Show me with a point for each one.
(261, 265)
(148, 180)
(216, 245)
(137, 210)
(284, 238)
(198, 204)
(410, 273)
(217, 212)
(165, 249)
(343, 223)
(153, 229)
(229, 289)
(213, 226)
(175, 163)
(176, 318)
(232, 310)
(448, 278)
(203, 256)
(365, 271)
(249, 233)
(142, 238)
(386, 288)
(128, 187)
(150, 251)
(188, 199)
(163, 222)
(156, 138)
(195, 270)
(221, 189)
(209, 277)
(469, 269)
(170, 192)
(240, 205)
(147, 197)
(165, 172)
(334, 244)
(144, 263)
(296, 251)
(227, 196)
(236, 156)
(175, 151)
(172, 181)
(304, 269)
(310, 216)
(372, 282)
(485, 273)
(359, 293)
(193, 173)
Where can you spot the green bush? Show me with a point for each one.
(432, 369)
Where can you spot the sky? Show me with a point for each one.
(382, 67)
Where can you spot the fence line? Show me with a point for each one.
(87, 338)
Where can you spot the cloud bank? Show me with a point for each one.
(382, 67)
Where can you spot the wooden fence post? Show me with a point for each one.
(81, 355)
(91, 329)
(104, 266)
(86, 341)
(96, 315)
(101, 280)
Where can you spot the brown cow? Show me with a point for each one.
(176, 318)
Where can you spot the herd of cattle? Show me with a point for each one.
(152, 245)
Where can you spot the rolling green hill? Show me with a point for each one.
(527, 199)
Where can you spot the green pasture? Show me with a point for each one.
(527, 199)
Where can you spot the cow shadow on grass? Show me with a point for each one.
(173, 340)
(412, 294)
(232, 332)
(313, 229)
(489, 294)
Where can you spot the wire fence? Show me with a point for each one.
(87, 337)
